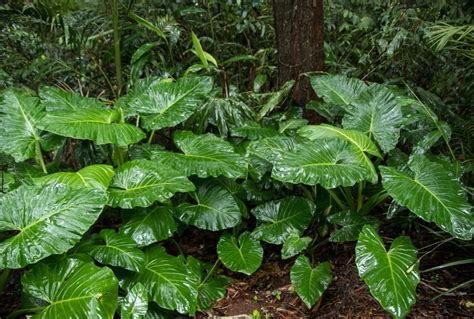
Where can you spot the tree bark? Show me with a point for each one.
(299, 26)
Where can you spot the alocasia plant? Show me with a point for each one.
(291, 177)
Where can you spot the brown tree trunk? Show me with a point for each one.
(299, 26)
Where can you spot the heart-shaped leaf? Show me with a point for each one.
(204, 155)
(310, 283)
(166, 104)
(168, 280)
(392, 276)
(351, 225)
(433, 193)
(72, 288)
(376, 113)
(45, 221)
(95, 176)
(118, 250)
(329, 162)
(149, 225)
(102, 126)
(215, 208)
(337, 89)
(243, 255)
(277, 220)
(360, 142)
(294, 245)
(20, 113)
(142, 182)
(135, 304)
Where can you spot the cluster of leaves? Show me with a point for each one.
(188, 177)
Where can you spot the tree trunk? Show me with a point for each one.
(299, 26)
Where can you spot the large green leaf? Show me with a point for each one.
(135, 304)
(204, 155)
(433, 193)
(244, 255)
(275, 98)
(224, 113)
(72, 288)
(294, 245)
(351, 223)
(142, 182)
(102, 126)
(215, 208)
(271, 148)
(392, 276)
(329, 162)
(376, 113)
(96, 176)
(310, 283)
(149, 225)
(118, 250)
(166, 104)
(169, 282)
(253, 131)
(277, 220)
(55, 99)
(20, 113)
(337, 89)
(360, 142)
(211, 287)
(45, 221)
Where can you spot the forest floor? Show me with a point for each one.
(269, 291)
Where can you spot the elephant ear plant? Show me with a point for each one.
(91, 237)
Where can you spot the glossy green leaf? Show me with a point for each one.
(20, 113)
(392, 276)
(166, 104)
(55, 99)
(329, 162)
(360, 142)
(224, 113)
(271, 148)
(95, 176)
(291, 125)
(100, 126)
(243, 255)
(215, 208)
(149, 225)
(294, 245)
(169, 282)
(277, 220)
(211, 287)
(351, 223)
(135, 304)
(432, 192)
(72, 288)
(118, 250)
(141, 183)
(377, 114)
(337, 89)
(253, 131)
(203, 155)
(310, 282)
(275, 98)
(45, 221)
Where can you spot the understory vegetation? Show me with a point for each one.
(127, 125)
